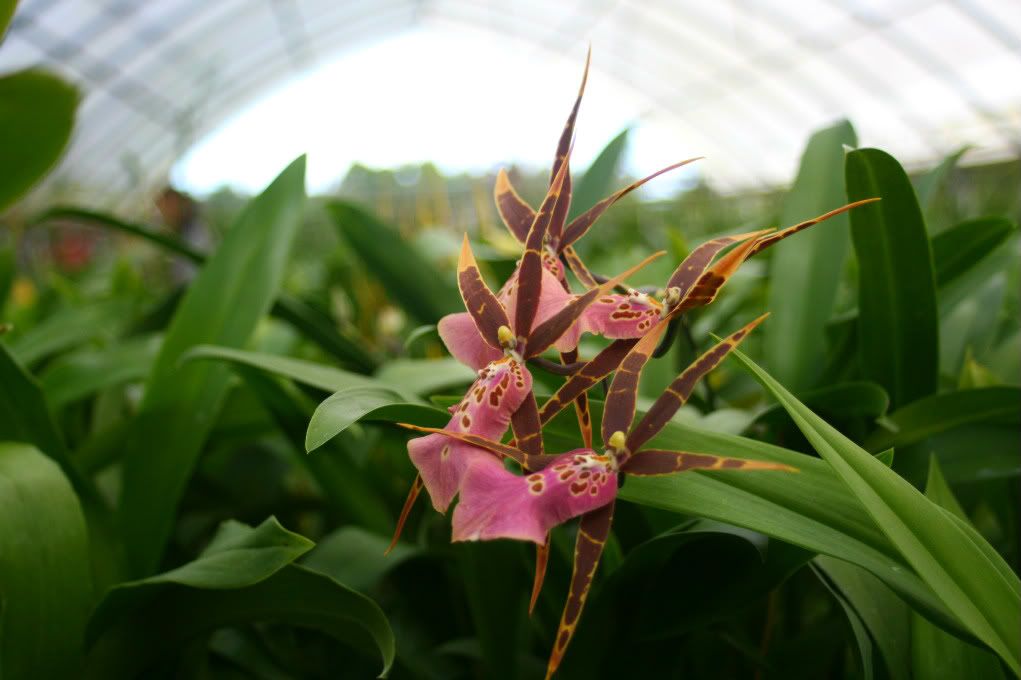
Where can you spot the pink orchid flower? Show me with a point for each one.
(496, 503)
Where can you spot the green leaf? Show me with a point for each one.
(233, 290)
(309, 373)
(70, 327)
(943, 412)
(883, 614)
(936, 653)
(45, 584)
(245, 575)
(6, 14)
(425, 376)
(961, 247)
(806, 271)
(409, 279)
(598, 181)
(356, 557)
(80, 374)
(317, 326)
(37, 112)
(347, 407)
(930, 183)
(944, 555)
(845, 400)
(898, 333)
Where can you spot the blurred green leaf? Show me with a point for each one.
(245, 575)
(317, 326)
(936, 653)
(897, 326)
(37, 112)
(45, 584)
(222, 307)
(598, 181)
(7, 8)
(930, 184)
(873, 610)
(425, 376)
(942, 412)
(7, 275)
(79, 374)
(310, 373)
(67, 328)
(966, 577)
(409, 279)
(959, 248)
(356, 557)
(807, 270)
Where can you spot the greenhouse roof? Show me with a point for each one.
(742, 83)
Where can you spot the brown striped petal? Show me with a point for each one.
(680, 389)
(593, 531)
(409, 502)
(480, 301)
(514, 211)
(581, 271)
(582, 223)
(766, 241)
(541, 562)
(619, 411)
(654, 462)
(698, 260)
(595, 370)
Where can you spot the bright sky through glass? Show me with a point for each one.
(461, 102)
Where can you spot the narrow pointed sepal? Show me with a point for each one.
(582, 223)
(656, 462)
(593, 532)
(483, 305)
(592, 372)
(690, 270)
(619, 411)
(409, 502)
(529, 273)
(516, 214)
(766, 241)
(527, 430)
(581, 271)
(664, 408)
(541, 562)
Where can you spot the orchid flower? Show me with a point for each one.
(502, 392)
(498, 504)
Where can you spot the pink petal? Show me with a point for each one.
(464, 342)
(486, 410)
(496, 503)
(552, 299)
(621, 316)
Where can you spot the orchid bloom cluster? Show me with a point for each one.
(534, 311)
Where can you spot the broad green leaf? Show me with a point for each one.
(245, 575)
(959, 248)
(341, 410)
(425, 376)
(409, 279)
(67, 328)
(869, 603)
(936, 653)
(37, 112)
(945, 556)
(942, 412)
(598, 181)
(341, 481)
(356, 557)
(310, 373)
(45, 584)
(898, 334)
(233, 290)
(844, 400)
(806, 270)
(82, 373)
(313, 323)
